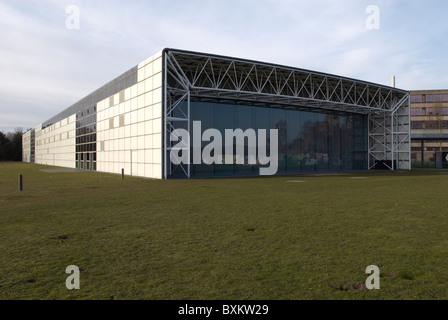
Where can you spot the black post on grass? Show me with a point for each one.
(122, 174)
(423, 153)
(20, 182)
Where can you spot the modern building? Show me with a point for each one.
(429, 128)
(325, 123)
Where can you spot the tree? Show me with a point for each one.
(11, 145)
(435, 117)
(4, 146)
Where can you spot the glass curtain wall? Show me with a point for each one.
(86, 139)
(309, 141)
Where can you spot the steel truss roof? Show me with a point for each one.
(189, 74)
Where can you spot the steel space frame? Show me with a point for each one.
(191, 74)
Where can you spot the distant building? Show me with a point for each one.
(429, 127)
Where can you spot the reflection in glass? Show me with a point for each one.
(309, 140)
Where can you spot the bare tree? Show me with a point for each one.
(435, 117)
(11, 145)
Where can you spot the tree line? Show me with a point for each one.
(11, 145)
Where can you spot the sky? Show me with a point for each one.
(47, 62)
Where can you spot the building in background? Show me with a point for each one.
(325, 123)
(429, 128)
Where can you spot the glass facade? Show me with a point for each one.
(86, 138)
(429, 111)
(33, 146)
(429, 124)
(429, 98)
(309, 140)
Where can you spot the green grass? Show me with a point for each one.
(240, 238)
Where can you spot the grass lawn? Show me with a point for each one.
(239, 238)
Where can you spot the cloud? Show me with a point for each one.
(46, 68)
